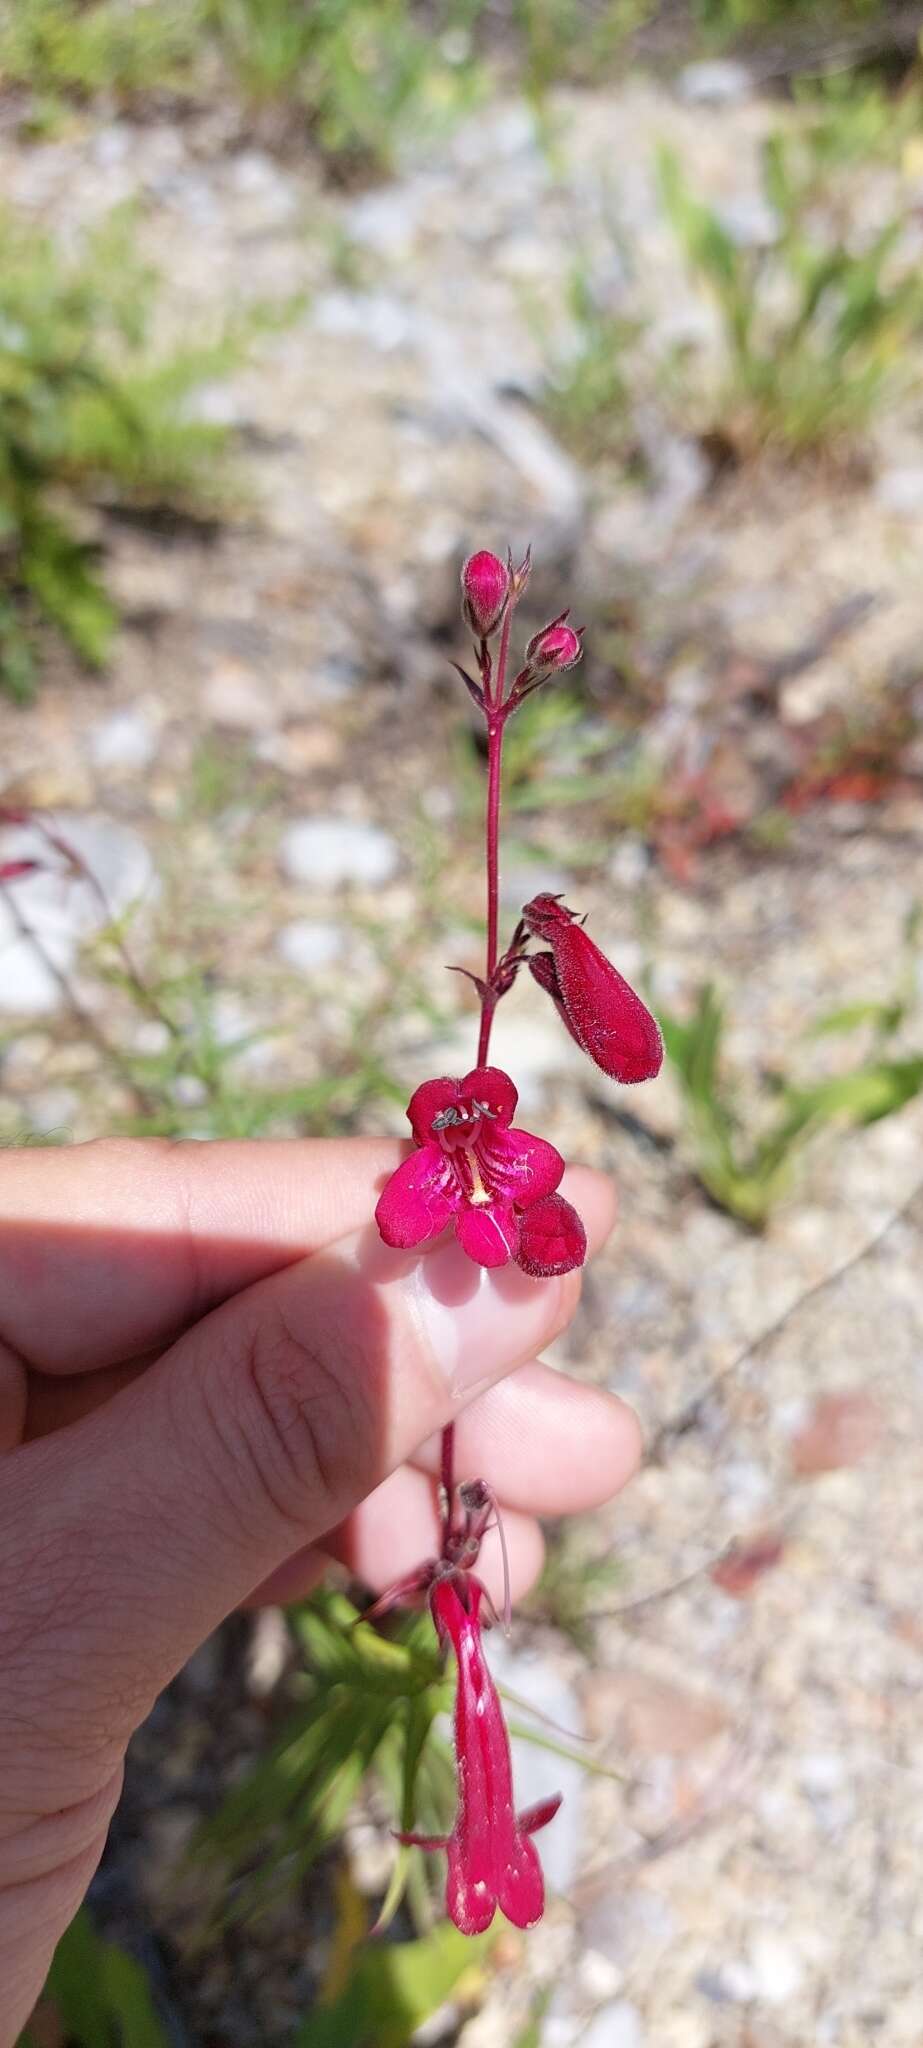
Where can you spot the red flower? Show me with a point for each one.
(492, 1858)
(485, 586)
(601, 1011)
(497, 1184)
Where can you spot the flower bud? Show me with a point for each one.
(556, 646)
(485, 587)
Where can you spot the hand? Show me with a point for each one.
(213, 1377)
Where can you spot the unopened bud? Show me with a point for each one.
(556, 646)
(485, 587)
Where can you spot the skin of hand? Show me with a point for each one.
(213, 1379)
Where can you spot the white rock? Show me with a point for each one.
(126, 739)
(750, 221)
(52, 1110)
(236, 696)
(715, 82)
(777, 1969)
(614, 2026)
(267, 1652)
(189, 1091)
(308, 944)
(538, 1773)
(329, 852)
(598, 1976)
(900, 491)
(59, 907)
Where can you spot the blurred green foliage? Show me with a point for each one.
(816, 323)
(747, 1174)
(360, 74)
(86, 413)
(99, 1993)
(369, 1704)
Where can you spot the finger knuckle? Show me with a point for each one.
(308, 1426)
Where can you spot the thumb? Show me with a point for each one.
(125, 1538)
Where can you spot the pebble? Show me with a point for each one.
(62, 909)
(127, 740)
(52, 1111)
(776, 1968)
(900, 490)
(716, 82)
(308, 944)
(333, 852)
(540, 1772)
(614, 2026)
(237, 696)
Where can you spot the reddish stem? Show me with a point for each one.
(496, 719)
(494, 712)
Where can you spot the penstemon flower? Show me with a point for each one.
(497, 1187)
(609, 1022)
(474, 1170)
(493, 1860)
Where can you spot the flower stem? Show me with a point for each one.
(495, 722)
(496, 719)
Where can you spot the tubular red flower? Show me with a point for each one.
(472, 1169)
(493, 1860)
(601, 1011)
(485, 588)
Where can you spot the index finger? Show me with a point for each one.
(107, 1250)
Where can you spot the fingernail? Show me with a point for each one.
(477, 1323)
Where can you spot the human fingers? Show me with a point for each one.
(107, 1251)
(545, 1442)
(258, 1433)
(396, 1529)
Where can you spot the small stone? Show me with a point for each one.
(331, 852)
(900, 491)
(650, 1715)
(188, 1091)
(841, 1431)
(538, 1772)
(267, 1652)
(777, 1970)
(52, 1111)
(126, 740)
(308, 944)
(60, 907)
(598, 1976)
(715, 82)
(236, 696)
(152, 1037)
(614, 2026)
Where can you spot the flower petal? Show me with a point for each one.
(602, 1012)
(516, 1165)
(426, 1102)
(491, 1086)
(419, 1200)
(488, 1232)
(552, 1238)
(520, 1885)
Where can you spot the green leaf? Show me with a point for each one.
(101, 1992)
(394, 1988)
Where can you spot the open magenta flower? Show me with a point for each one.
(497, 1185)
(602, 1012)
(493, 1860)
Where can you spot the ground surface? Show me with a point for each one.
(755, 1881)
